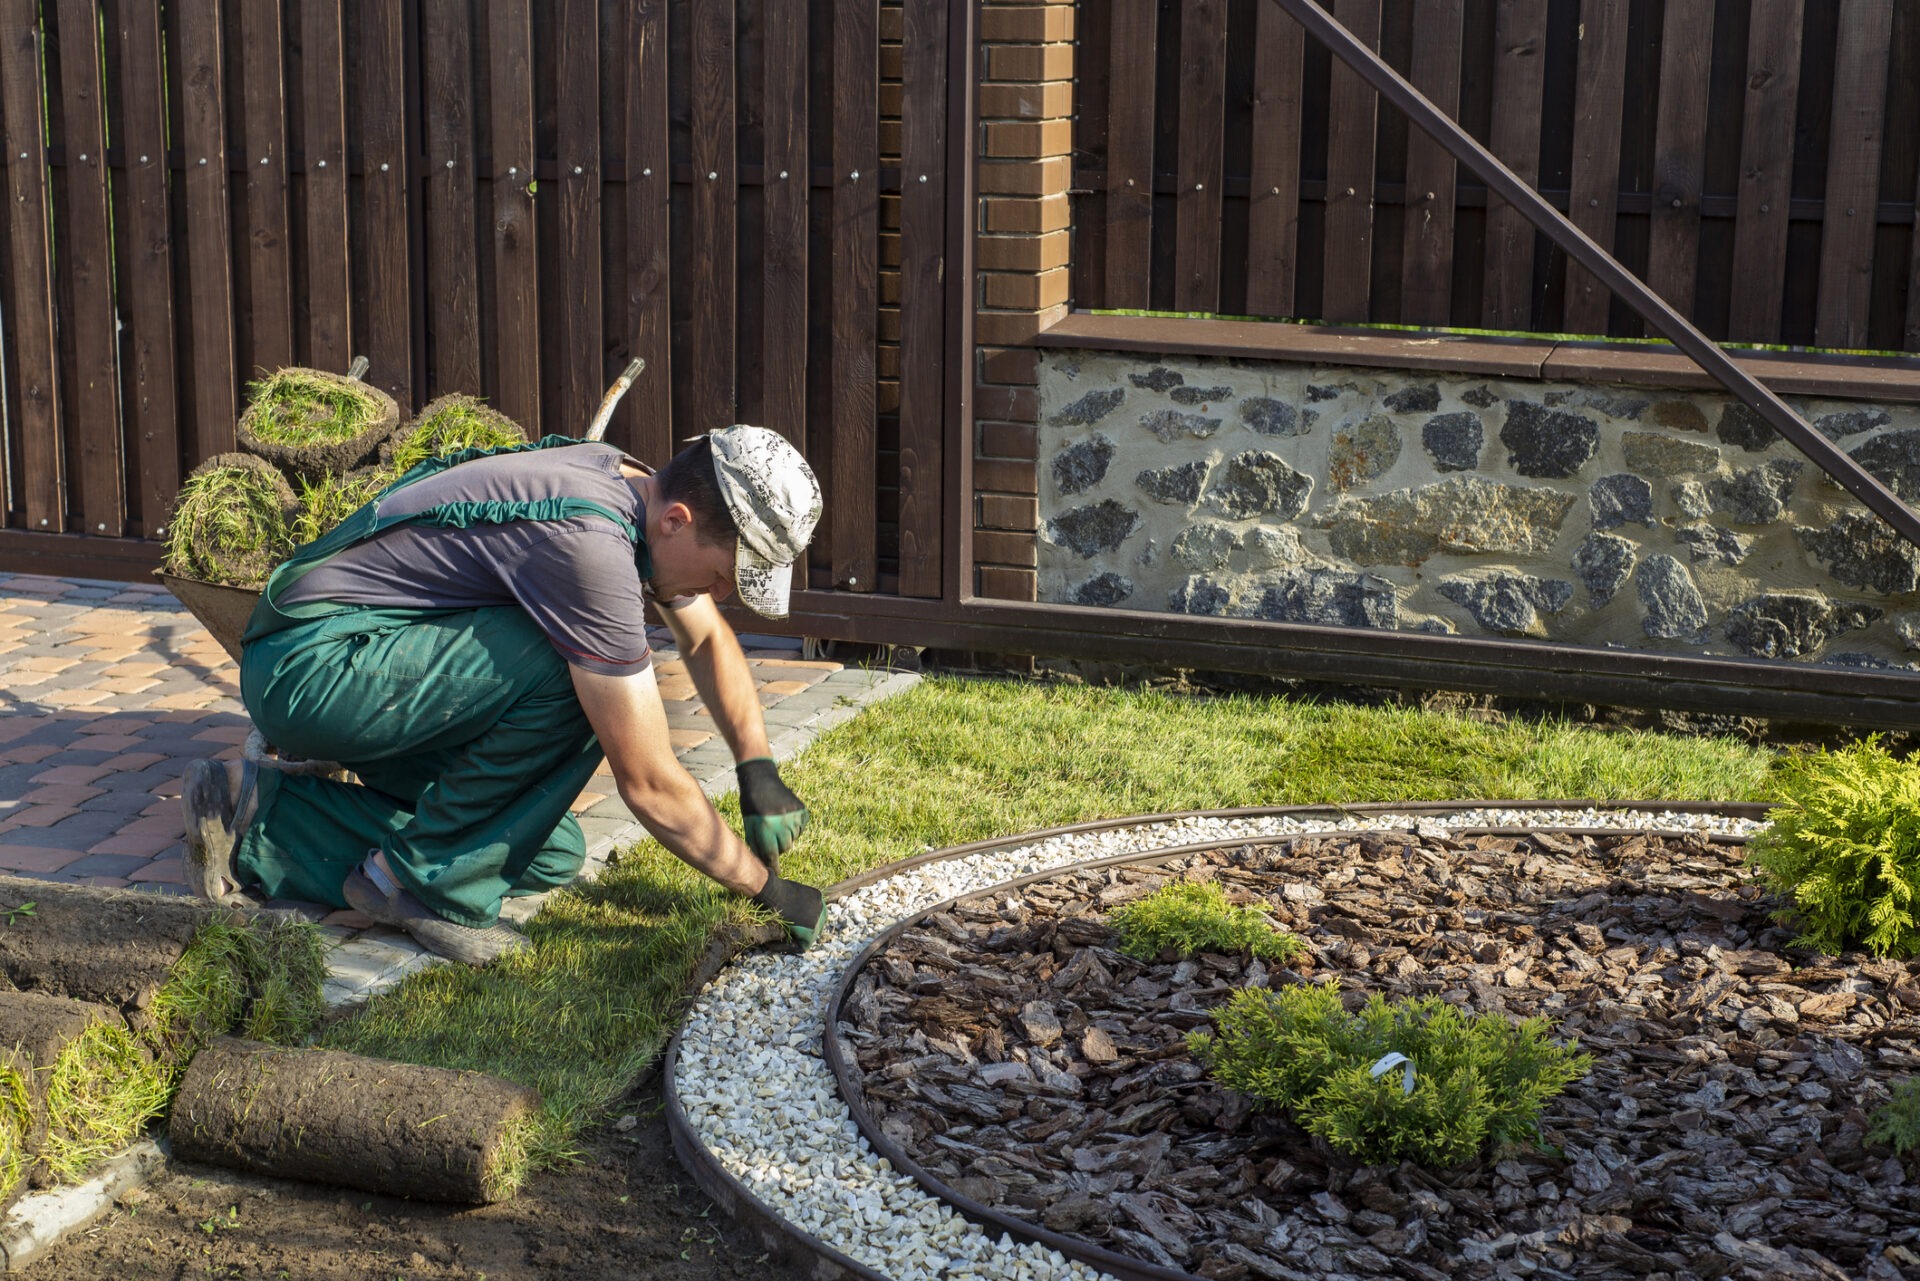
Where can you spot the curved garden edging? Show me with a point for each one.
(827, 1261)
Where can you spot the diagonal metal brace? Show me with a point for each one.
(1676, 328)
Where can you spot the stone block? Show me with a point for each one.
(1272, 417)
(1508, 603)
(1201, 396)
(1464, 514)
(1327, 598)
(1674, 608)
(1652, 454)
(1088, 409)
(1205, 544)
(1363, 451)
(1159, 378)
(1099, 527)
(1548, 443)
(1199, 595)
(1453, 441)
(1620, 499)
(1757, 496)
(1258, 483)
(1108, 588)
(1603, 563)
(1170, 424)
(1895, 459)
(1422, 398)
(1792, 624)
(1176, 486)
(1861, 550)
(1741, 428)
(1705, 541)
(1082, 465)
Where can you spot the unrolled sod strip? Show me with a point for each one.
(758, 1094)
(325, 1116)
(90, 1086)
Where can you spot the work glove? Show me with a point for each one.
(771, 814)
(802, 909)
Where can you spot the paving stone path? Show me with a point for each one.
(107, 690)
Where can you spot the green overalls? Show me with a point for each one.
(462, 726)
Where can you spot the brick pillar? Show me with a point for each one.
(1026, 134)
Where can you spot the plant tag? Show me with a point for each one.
(1391, 1061)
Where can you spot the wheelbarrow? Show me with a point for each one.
(225, 610)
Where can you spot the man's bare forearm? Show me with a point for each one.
(678, 815)
(720, 672)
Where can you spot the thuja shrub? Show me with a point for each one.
(1192, 916)
(1473, 1080)
(1844, 850)
(1897, 1121)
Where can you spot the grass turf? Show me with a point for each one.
(103, 1089)
(449, 425)
(583, 1013)
(331, 499)
(229, 522)
(301, 407)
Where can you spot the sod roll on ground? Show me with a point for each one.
(311, 423)
(75, 1086)
(325, 1116)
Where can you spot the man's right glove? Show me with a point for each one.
(771, 815)
(801, 908)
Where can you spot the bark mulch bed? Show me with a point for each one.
(1015, 1055)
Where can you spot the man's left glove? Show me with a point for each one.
(773, 816)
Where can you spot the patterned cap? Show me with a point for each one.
(775, 501)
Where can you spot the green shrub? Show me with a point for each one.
(1474, 1079)
(1194, 916)
(1897, 1121)
(1844, 849)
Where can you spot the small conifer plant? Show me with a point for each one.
(1451, 1083)
(1194, 916)
(1844, 850)
(1897, 1121)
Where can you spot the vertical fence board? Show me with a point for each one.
(855, 222)
(1520, 35)
(153, 429)
(1353, 111)
(209, 255)
(783, 258)
(269, 300)
(1599, 92)
(711, 218)
(92, 405)
(1134, 54)
(923, 235)
(1766, 171)
(649, 251)
(382, 76)
(1426, 276)
(324, 143)
(30, 322)
(1200, 167)
(1680, 146)
(516, 259)
(582, 363)
(1853, 172)
(453, 271)
(1273, 216)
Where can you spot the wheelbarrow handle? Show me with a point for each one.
(597, 429)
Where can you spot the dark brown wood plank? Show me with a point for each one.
(855, 229)
(1519, 72)
(149, 387)
(381, 88)
(516, 261)
(1426, 268)
(453, 269)
(1600, 83)
(1133, 51)
(1853, 172)
(30, 310)
(269, 300)
(1353, 111)
(1680, 152)
(783, 256)
(1273, 212)
(1766, 171)
(923, 234)
(649, 260)
(1200, 166)
(203, 115)
(581, 353)
(330, 336)
(712, 205)
(85, 258)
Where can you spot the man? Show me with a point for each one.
(469, 645)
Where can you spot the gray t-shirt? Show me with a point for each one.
(576, 578)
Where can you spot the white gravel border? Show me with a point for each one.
(757, 1092)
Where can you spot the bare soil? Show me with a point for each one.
(626, 1211)
(1010, 1050)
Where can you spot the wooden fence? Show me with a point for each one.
(503, 197)
(1754, 160)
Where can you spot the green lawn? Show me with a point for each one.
(962, 760)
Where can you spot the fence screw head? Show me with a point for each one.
(102, 528)
(383, 166)
(1850, 213)
(263, 160)
(1129, 182)
(43, 520)
(203, 160)
(646, 173)
(449, 164)
(783, 174)
(323, 164)
(1676, 202)
(578, 170)
(1349, 191)
(856, 175)
(1593, 203)
(712, 174)
(1199, 186)
(143, 160)
(83, 158)
(923, 177)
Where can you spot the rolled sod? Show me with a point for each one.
(311, 423)
(229, 523)
(446, 426)
(325, 502)
(89, 1086)
(324, 1116)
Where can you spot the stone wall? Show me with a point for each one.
(1586, 514)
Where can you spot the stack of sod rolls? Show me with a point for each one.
(314, 447)
(105, 998)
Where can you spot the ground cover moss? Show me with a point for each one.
(229, 523)
(584, 1013)
(447, 426)
(101, 1090)
(1192, 916)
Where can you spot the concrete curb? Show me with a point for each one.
(40, 1220)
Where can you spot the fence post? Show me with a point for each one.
(1025, 166)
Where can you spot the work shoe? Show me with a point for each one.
(214, 816)
(371, 889)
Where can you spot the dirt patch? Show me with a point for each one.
(1010, 1050)
(626, 1211)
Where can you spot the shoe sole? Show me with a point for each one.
(441, 937)
(204, 869)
